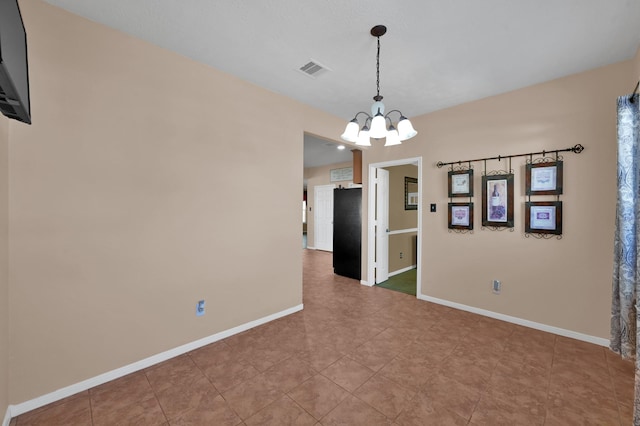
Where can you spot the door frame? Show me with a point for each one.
(382, 244)
(371, 228)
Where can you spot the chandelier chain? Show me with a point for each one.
(378, 69)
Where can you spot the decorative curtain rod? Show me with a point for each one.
(634, 91)
(575, 149)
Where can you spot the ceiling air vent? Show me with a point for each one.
(313, 69)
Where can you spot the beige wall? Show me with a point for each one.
(4, 283)
(563, 283)
(146, 183)
(402, 251)
(316, 176)
(399, 218)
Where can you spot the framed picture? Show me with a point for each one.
(497, 200)
(460, 215)
(544, 178)
(543, 217)
(461, 183)
(410, 193)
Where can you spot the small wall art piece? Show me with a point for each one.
(497, 200)
(461, 216)
(410, 193)
(461, 183)
(543, 217)
(339, 175)
(544, 178)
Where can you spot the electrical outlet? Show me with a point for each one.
(400, 255)
(200, 308)
(497, 286)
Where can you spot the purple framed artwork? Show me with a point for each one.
(497, 200)
(543, 217)
(460, 216)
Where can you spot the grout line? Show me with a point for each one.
(553, 359)
(155, 395)
(613, 385)
(90, 406)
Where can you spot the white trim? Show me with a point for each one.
(7, 417)
(520, 321)
(399, 271)
(403, 231)
(16, 410)
(364, 282)
(311, 248)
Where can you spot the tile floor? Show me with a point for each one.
(366, 356)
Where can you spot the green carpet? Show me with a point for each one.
(404, 282)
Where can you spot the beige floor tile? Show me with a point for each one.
(215, 411)
(366, 355)
(385, 395)
(289, 374)
(318, 395)
(251, 396)
(283, 411)
(352, 411)
(348, 373)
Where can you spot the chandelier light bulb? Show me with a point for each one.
(351, 131)
(363, 137)
(393, 138)
(405, 129)
(378, 126)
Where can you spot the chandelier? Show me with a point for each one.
(378, 125)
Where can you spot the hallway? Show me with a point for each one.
(366, 356)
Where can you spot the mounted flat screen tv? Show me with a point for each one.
(14, 71)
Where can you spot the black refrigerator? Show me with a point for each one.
(347, 231)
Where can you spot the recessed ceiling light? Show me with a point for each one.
(341, 147)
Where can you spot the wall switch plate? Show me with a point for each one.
(200, 308)
(497, 286)
(432, 208)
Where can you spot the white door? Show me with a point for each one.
(382, 225)
(323, 217)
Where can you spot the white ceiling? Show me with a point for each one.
(436, 53)
(321, 152)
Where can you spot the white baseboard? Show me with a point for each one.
(18, 409)
(399, 271)
(7, 417)
(311, 248)
(515, 320)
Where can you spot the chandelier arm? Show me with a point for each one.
(393, 110)
(362, 112)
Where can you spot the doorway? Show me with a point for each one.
(379, 233)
